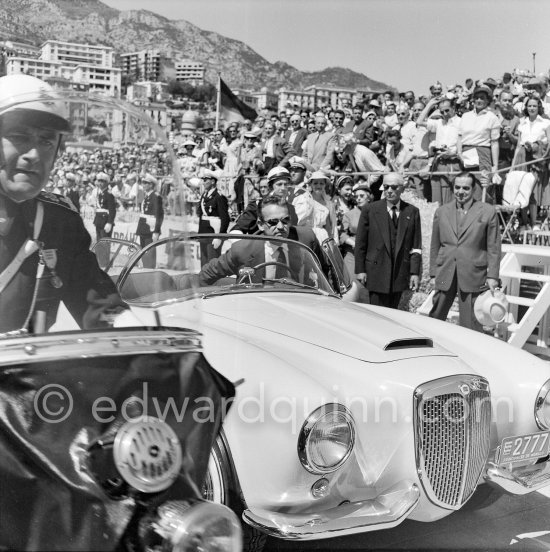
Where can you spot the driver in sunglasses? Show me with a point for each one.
(273, 221)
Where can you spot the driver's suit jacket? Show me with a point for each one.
(251, 253)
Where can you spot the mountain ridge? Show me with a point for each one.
(93, 22)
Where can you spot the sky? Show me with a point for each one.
(408, 44)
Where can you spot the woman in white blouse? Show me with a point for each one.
(533, 143)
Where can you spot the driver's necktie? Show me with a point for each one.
(280, 257)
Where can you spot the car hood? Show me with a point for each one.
(322, 321)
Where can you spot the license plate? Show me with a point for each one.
(524, 447)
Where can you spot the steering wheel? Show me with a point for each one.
(263, 265)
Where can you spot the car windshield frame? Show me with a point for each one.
(279, 285)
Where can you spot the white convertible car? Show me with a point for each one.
(348, 418)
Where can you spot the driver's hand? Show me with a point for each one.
(216, 243)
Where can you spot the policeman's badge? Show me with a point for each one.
(49, 256)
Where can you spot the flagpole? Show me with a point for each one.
(218, 101)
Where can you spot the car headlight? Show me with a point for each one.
(326, 439)
(542, 407)
(202, 526)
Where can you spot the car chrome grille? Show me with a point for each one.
(452, 426)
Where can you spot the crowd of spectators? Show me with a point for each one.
(335, 158)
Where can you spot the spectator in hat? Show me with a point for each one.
(388, 247)
(213, 215)
(278, 182)
(350, 220)
(299, 195)
(251, 167)
(188, 161)
(324, 214)
(478, 136)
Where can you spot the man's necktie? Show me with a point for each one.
(394, 216)
(280, 257)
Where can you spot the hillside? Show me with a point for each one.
(93, 22)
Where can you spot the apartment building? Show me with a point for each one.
(144, 65)
(190, 71)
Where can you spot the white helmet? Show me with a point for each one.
(28, 96)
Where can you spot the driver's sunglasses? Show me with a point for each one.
(276, 221)
(392, 186)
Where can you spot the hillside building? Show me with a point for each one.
(314, 97)
(247, 97)
(266, 99)
(87, 66)
(145, 65)
(190, 71)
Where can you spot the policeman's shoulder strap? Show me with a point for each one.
(56, 199)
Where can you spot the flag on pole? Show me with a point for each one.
(231, 108)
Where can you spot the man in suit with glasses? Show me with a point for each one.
(284, 260)
(388, 245)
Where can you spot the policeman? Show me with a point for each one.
(105, 210)
(213, 215)
(45, 253)
(72, 192)
(150, 220)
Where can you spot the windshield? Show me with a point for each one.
(181, 268)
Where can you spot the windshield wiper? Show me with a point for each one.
(292, 283)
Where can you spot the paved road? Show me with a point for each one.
(514, 524)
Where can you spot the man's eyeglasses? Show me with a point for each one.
(276, 221)
(391, 186)
(445, 110)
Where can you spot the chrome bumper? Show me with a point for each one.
(386, 510)
(521, 480)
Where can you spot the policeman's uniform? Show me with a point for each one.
(213, 218)
(149, 223)
(105, 213)
(45, 258)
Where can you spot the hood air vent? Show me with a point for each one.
(412, 343)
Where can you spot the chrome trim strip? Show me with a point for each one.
(308, 426)
(96, 343)
(383, 512)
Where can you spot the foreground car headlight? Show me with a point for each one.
(326, 439)
(542, 407)
(203, 526)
